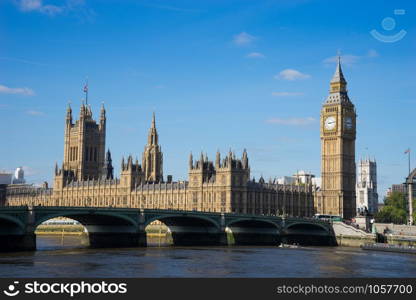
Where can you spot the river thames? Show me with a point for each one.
(72, 260)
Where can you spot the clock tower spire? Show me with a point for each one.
(338, 82)
(338, 131)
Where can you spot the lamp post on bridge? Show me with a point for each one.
(409, 182)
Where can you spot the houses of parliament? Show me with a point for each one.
(86, 175)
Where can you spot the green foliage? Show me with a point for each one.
(394, 210)
(397, 200)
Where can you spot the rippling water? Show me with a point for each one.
(71, 260)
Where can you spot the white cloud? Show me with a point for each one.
(35, 113)
(292, 121)
(243, 39)
(29, 171)
(37, 5)
(350, 59)
(29, 5)
(347, 59)
(286, 94)
(49, 9)
(255, 55)
(20, 91)
(291, 74)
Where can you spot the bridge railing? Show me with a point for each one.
(177, 211)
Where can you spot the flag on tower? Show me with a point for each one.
(86, 88)
(407, 151)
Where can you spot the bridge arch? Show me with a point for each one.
(310, 226)
(104, 228)
(252, 231)
(183, 217)
(255, 221)
(304, 233)
(190, 229)
(87, 217)
(13, 234)
(11, 224)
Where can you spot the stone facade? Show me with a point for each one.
(84, 148)
(152, 156)
(338, 132)
(366, 191)
(86, 179)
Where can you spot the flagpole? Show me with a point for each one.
(409, 160)
(86, 93)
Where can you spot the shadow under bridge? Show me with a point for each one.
(308, 234)
(105, 227)
(191, 229)
(252, 231)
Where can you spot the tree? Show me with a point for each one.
(395, 209)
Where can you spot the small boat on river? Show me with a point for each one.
(288, 246)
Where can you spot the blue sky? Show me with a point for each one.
(218, 74)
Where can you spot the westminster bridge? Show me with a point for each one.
(125, 227)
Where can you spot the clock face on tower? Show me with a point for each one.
(348, 123)
(330, 123)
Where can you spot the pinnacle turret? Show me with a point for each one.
(245, 159)
(108, 156)
(218, 159)
(69, 113)
(191, 161)
(154, 121)
(108, 170)
(153, 136)
(152, 156)
(102, 115)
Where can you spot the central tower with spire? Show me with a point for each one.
(152, 161)
(338, 131)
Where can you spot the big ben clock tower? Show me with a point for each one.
(338, 150)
